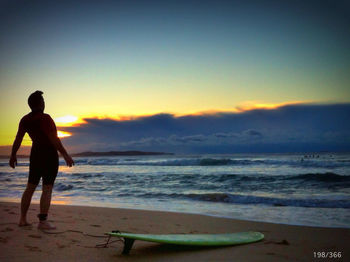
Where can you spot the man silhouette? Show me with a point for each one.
(43, 157)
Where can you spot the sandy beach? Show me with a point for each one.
(281, 243)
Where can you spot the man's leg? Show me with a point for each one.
(45, 202)
(25, 203)
(45, 199)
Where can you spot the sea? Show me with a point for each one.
(297, 189)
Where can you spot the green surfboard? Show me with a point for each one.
(191, 239)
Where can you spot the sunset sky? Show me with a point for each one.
(125, 63)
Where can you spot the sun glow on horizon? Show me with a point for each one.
(63, 134)
(68, 120)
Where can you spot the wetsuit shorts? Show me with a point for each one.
(43, 164)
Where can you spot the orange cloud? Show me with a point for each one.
(251, 105)
(247, 106)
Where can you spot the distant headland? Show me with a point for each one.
(121, 153)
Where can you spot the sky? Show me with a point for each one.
(112, 64)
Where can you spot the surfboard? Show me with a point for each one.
(190, 239)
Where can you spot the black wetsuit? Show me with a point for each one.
(43, 156)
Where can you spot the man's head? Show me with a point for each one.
(36, 101)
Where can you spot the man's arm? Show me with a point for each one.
(49, 127)
(58, 145)
(16, 145)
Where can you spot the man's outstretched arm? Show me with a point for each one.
(16, 145)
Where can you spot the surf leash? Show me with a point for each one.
(102, 245)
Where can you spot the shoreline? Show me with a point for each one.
(36, 202)
(282, 242)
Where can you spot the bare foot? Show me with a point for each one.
(45, 225)
(23, 223)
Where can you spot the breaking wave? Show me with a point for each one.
(322, 177)
(210, 162)
(253, 200)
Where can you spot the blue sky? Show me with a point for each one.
(111, 59)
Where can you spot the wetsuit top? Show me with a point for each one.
(43, 156)
(39, 126)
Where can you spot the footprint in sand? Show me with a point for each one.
(4, 239)
(35, 236)
(8, 229)
(60, 245)
(283, 242)
(29, 228)
(75, 241)
(33, 248)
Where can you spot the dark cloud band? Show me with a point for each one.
(302, 127)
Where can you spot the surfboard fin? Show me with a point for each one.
(127, 245)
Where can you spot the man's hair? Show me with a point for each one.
(35, 99)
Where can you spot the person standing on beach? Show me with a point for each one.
(43, 157)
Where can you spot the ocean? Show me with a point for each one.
(297, 189)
